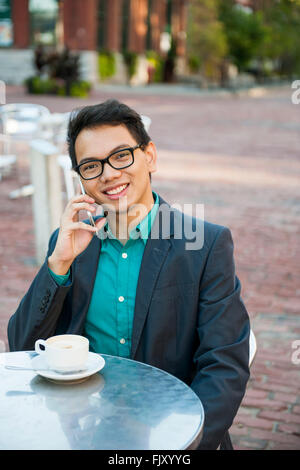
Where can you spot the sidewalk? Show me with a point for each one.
(239, 156)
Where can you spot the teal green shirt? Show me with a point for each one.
(109, 320)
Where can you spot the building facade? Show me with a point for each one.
(88, 27)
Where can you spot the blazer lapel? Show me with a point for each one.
(155, 253)
(86, 268)
(153, 259)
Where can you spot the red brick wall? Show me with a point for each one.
(179, 18)
(80, 24)
(80, 20)
(158, 16)
(113, 39)
(138, 25)
(20, 18)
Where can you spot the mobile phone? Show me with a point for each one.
(88, 212)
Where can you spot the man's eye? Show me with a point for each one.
(90, 166)
(122, 155)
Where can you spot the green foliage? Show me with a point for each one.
(206, 40)
(282, 21)
(106, 64)
(264, 41)
(245, 33)
(58, 73)
(157, 62)
(194, 63)
(131, 60)
(37, 85)
(80, 89)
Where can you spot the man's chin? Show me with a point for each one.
(118, 206)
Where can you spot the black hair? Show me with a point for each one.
(110, 112)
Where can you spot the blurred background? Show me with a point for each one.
(218, 85)
(209, 43)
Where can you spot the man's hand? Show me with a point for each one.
(74, 236)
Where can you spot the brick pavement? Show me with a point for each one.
(239, 156)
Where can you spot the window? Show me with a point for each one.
(43, 21)
(6, 29)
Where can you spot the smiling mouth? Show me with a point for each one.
(118, 191)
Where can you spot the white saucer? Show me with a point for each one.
(94, 364)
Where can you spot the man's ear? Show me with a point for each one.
(151, 157)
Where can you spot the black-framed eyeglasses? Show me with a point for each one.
(118, 160)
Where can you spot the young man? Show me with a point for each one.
(136, 290)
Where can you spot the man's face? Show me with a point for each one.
(100, 142)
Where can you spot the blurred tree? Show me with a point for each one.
(245, 32)
(282, 44)
(206, 39)
(264, 41)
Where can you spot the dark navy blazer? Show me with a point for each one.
(189, 319)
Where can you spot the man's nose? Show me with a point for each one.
(109, 173)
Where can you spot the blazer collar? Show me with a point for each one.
(156, 251)
(163, 225)
(85, 267)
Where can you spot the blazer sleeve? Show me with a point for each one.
(39, 310)
(222, 356)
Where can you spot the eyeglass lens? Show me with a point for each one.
(118, 161)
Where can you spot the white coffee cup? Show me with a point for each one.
(64, 353)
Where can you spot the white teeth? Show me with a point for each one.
(117, 190)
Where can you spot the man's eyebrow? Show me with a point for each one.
(118, 147)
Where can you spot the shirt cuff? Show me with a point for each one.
(61, 279)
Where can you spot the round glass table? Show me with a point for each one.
(126, 405)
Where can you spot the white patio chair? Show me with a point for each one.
(6, 164)
(146, 121)
(21, 123)
(70, 176)
(54, 128)
(7, 159)
(252, 351)
(252, 347)
(22, 120)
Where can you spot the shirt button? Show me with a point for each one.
(124, 255)
(122, 341)
(121, 298)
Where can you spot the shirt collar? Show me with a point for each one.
(141, 231)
